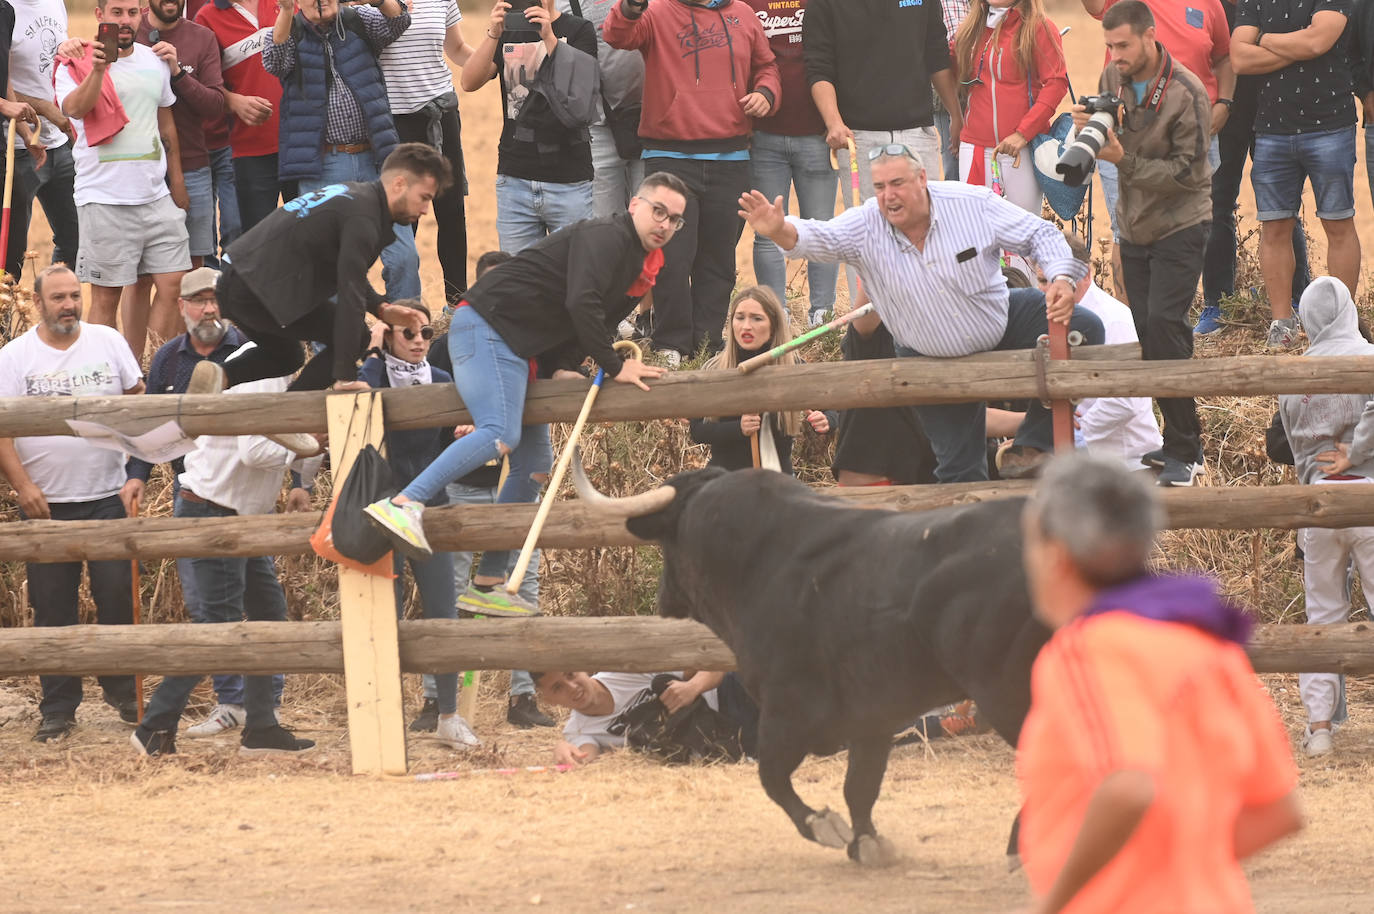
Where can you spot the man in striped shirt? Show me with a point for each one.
(929, 253)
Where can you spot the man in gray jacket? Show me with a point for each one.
(1165, 208)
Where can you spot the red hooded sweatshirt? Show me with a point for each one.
(999, 104)
(699, 61)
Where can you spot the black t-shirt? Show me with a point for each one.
(1308, 96)
(555, 153)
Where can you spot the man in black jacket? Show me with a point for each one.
(301, 274)
(554, 303)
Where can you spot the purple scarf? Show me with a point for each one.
(1185, 599)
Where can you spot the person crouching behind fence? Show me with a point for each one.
(1151, 762)
(553, 303)
(757, 322)
(1332, 437)
(398, 357)
(229, 476)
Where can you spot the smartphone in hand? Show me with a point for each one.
(107, 34)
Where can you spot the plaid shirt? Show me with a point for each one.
(954, 12)
(344, 122)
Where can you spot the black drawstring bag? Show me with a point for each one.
(369, 480)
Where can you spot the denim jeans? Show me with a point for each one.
(529, 210)
(1281, 165)
(53, 588)
(258, 188)
(438, 599)
(692, 294)
(229, 589)
(226, 200)
(55, 187)
(958, 431)
(460, 494)
(778, 163)
(200, 218)
(400, 259)
(616, 179)
(950, 160)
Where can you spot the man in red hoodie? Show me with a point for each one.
(708, 73)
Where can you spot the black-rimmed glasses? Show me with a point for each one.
(661, 214)
(424, 333)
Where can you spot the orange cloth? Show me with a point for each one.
(107, 118)
(1116, 691)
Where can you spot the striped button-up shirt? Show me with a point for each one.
(951, 298)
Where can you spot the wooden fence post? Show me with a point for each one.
(367, 608)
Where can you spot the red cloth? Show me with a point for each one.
(1000, 104)
(107, 118)
(653, 262)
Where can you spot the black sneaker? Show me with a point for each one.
(127, 707)
(1153, 459)
(524, 713)
(428, 721)
(153, 743)
(274, 740)
(1178, 473)
(54, 726)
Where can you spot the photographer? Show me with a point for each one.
(1159, 147)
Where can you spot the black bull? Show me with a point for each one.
(848, 623)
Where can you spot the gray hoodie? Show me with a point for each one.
(622, 72)
(1317, 422)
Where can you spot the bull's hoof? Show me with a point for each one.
(829, 828)
(873, 850)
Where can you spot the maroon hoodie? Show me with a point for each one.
(699, 61)
(797, 115)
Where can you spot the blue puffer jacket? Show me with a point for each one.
(305, 95)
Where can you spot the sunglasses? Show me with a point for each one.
(424, 333)
(891, 149)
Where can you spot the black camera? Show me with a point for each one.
(1077, 161)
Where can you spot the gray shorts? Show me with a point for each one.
(121, 243)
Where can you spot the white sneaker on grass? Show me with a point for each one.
(221, 719)
(455, 733)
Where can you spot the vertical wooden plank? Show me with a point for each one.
(367, 607)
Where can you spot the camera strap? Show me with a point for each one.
(1166, 74)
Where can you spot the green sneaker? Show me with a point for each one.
(402, 523)
(496, 602)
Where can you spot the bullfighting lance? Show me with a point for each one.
(777, 352)
(853, 169)
(523, 563)
(9, 191)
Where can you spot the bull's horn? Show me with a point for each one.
(626, 506)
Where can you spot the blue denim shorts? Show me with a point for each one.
(1282, 163)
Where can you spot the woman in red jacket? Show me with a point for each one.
(1011, 62)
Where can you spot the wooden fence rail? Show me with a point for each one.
(837, 385)
(438, 645)
(572, 526)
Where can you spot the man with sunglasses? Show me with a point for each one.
(929, 253)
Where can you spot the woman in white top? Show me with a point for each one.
(425, 109)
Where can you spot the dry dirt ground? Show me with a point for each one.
(87, 826)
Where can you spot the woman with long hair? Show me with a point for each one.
(1011, 64)
(757, 323)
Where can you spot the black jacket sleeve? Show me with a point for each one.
(357, 250)
(716, 432)
(818, 42)
(937, 47)
(593, 262)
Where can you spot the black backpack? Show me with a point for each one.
(694, 733)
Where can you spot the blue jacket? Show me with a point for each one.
(305, 94)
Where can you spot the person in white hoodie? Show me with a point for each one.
(1332, 436)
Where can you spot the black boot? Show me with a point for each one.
(524, 713)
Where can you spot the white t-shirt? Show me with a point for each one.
(39, 27)
(585, 730)
(131, 169)
(1122, 428)
(98, 364)
(413, 65)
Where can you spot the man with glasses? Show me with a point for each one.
(929, 253)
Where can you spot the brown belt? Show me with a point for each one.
(193, 497)
(347, 148)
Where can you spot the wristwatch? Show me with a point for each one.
(184, 70)
(1228, 102)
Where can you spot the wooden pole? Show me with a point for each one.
(9, 195)
(136, 573)
(1061, 410)
(572, 525)
(631, 644)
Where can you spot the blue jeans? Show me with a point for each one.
(949, 160)
(529, 210)
(400, 259)
(778, 163)
(226, 199)
(229, 589)
(200, 218)
(491, 380)
(460, 494)
(1282, 164)
(958, 431)
(434, 580)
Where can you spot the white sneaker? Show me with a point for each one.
(222, 718)
(1317, 742)
(625, 329)
(671, 358)
(455, 733)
